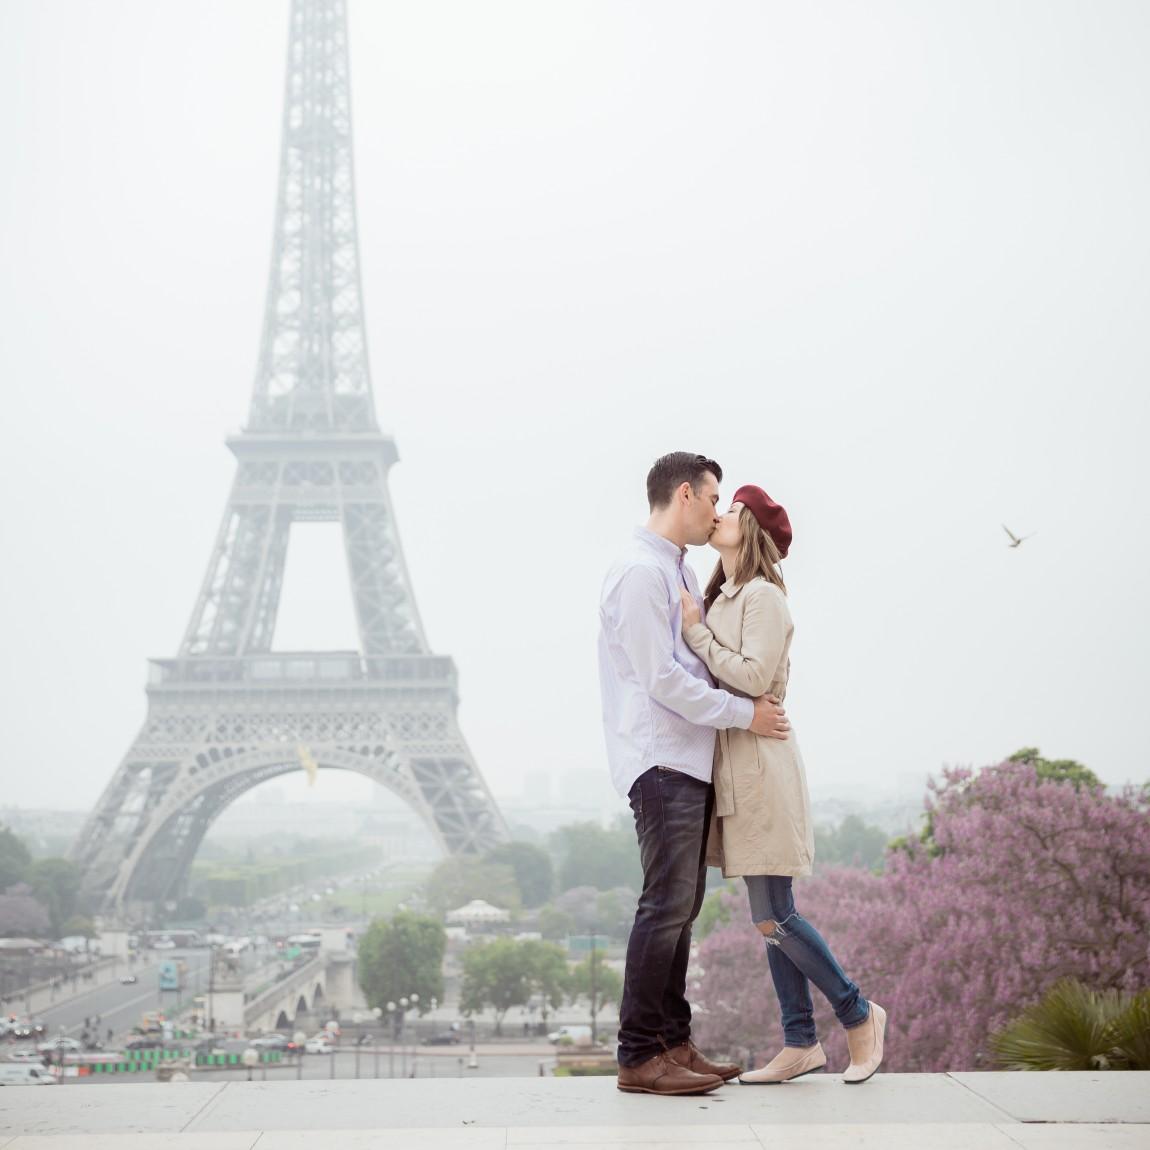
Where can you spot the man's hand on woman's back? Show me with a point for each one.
(770, 719)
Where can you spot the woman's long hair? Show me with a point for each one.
(758, 555)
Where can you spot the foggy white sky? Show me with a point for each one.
(888, 260)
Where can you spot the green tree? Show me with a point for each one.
(549, 977)
(1060, 770)
(591, 855)
(852, 843)
(56, 884)
(591, 911)
(714, 912)
(505, 972)
(534, 872)
(456, 881)
(1051, 770)
(401, 957)
(555, 923)
(191, 909)
(81, 926)
(596, 982)
(615, 912)
(15, 858)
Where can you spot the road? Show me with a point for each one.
(119, 1007)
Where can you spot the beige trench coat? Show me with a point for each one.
(762, 820)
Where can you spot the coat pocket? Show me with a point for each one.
(723, 776)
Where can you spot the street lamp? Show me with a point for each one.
(299, 1038)
(472, 1057)
(391, 1008)
(414, 1005)
(377, 1013)
(250, 1058)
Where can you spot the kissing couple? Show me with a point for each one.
(699, 743)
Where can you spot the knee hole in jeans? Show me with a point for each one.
(773, 932)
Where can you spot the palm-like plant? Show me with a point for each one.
(1132, 1033)
(1076, 1028)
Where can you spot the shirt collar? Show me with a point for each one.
(660, 543)
(730, 588)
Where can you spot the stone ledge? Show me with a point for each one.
(993, 1111)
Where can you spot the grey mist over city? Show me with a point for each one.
(331, 401)
(873, 262)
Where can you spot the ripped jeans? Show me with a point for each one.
(798, 955)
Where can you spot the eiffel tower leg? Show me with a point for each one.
(124, 814)
(380, 588)
(237, 605)
(195, 758)
(466, 818)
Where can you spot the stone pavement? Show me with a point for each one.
(991, 1111)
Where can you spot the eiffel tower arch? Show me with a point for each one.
(228, 712)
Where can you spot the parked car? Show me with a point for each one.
(163, 944)
(318, 1045)
(144, 1042)
(579, 1035)
(26, 1028)
(25, 1074)
(25, 1055)
(128, 979)
(443, 1038)
(272, 1042)
(61, 1045)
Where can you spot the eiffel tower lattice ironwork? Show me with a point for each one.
(228, 713)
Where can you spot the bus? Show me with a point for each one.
(303, 943)
(172, 974)
(176, 937)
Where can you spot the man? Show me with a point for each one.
(660, 712)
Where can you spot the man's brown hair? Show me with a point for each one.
(670, 471)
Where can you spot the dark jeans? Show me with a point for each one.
(798, 955)
(671, 812)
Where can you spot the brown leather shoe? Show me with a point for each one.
(688, 1054)
(661, 1075)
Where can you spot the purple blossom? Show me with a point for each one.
(1026, 881)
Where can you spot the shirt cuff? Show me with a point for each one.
(745, 712)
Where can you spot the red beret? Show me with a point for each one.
(771, 517)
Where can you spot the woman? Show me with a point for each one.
(761, 828)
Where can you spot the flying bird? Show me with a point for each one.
(1015, 540)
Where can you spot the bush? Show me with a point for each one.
(1076, 1028)
(1022, 881)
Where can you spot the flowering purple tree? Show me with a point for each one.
(1018, 882)
(21, 914)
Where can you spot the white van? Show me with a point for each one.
(570, 1036)
(25, 1074)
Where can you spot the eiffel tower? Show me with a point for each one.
(228, 712)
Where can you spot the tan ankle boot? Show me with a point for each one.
(790, 1062)
(865, 1046)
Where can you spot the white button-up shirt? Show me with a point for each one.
(660, 705)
